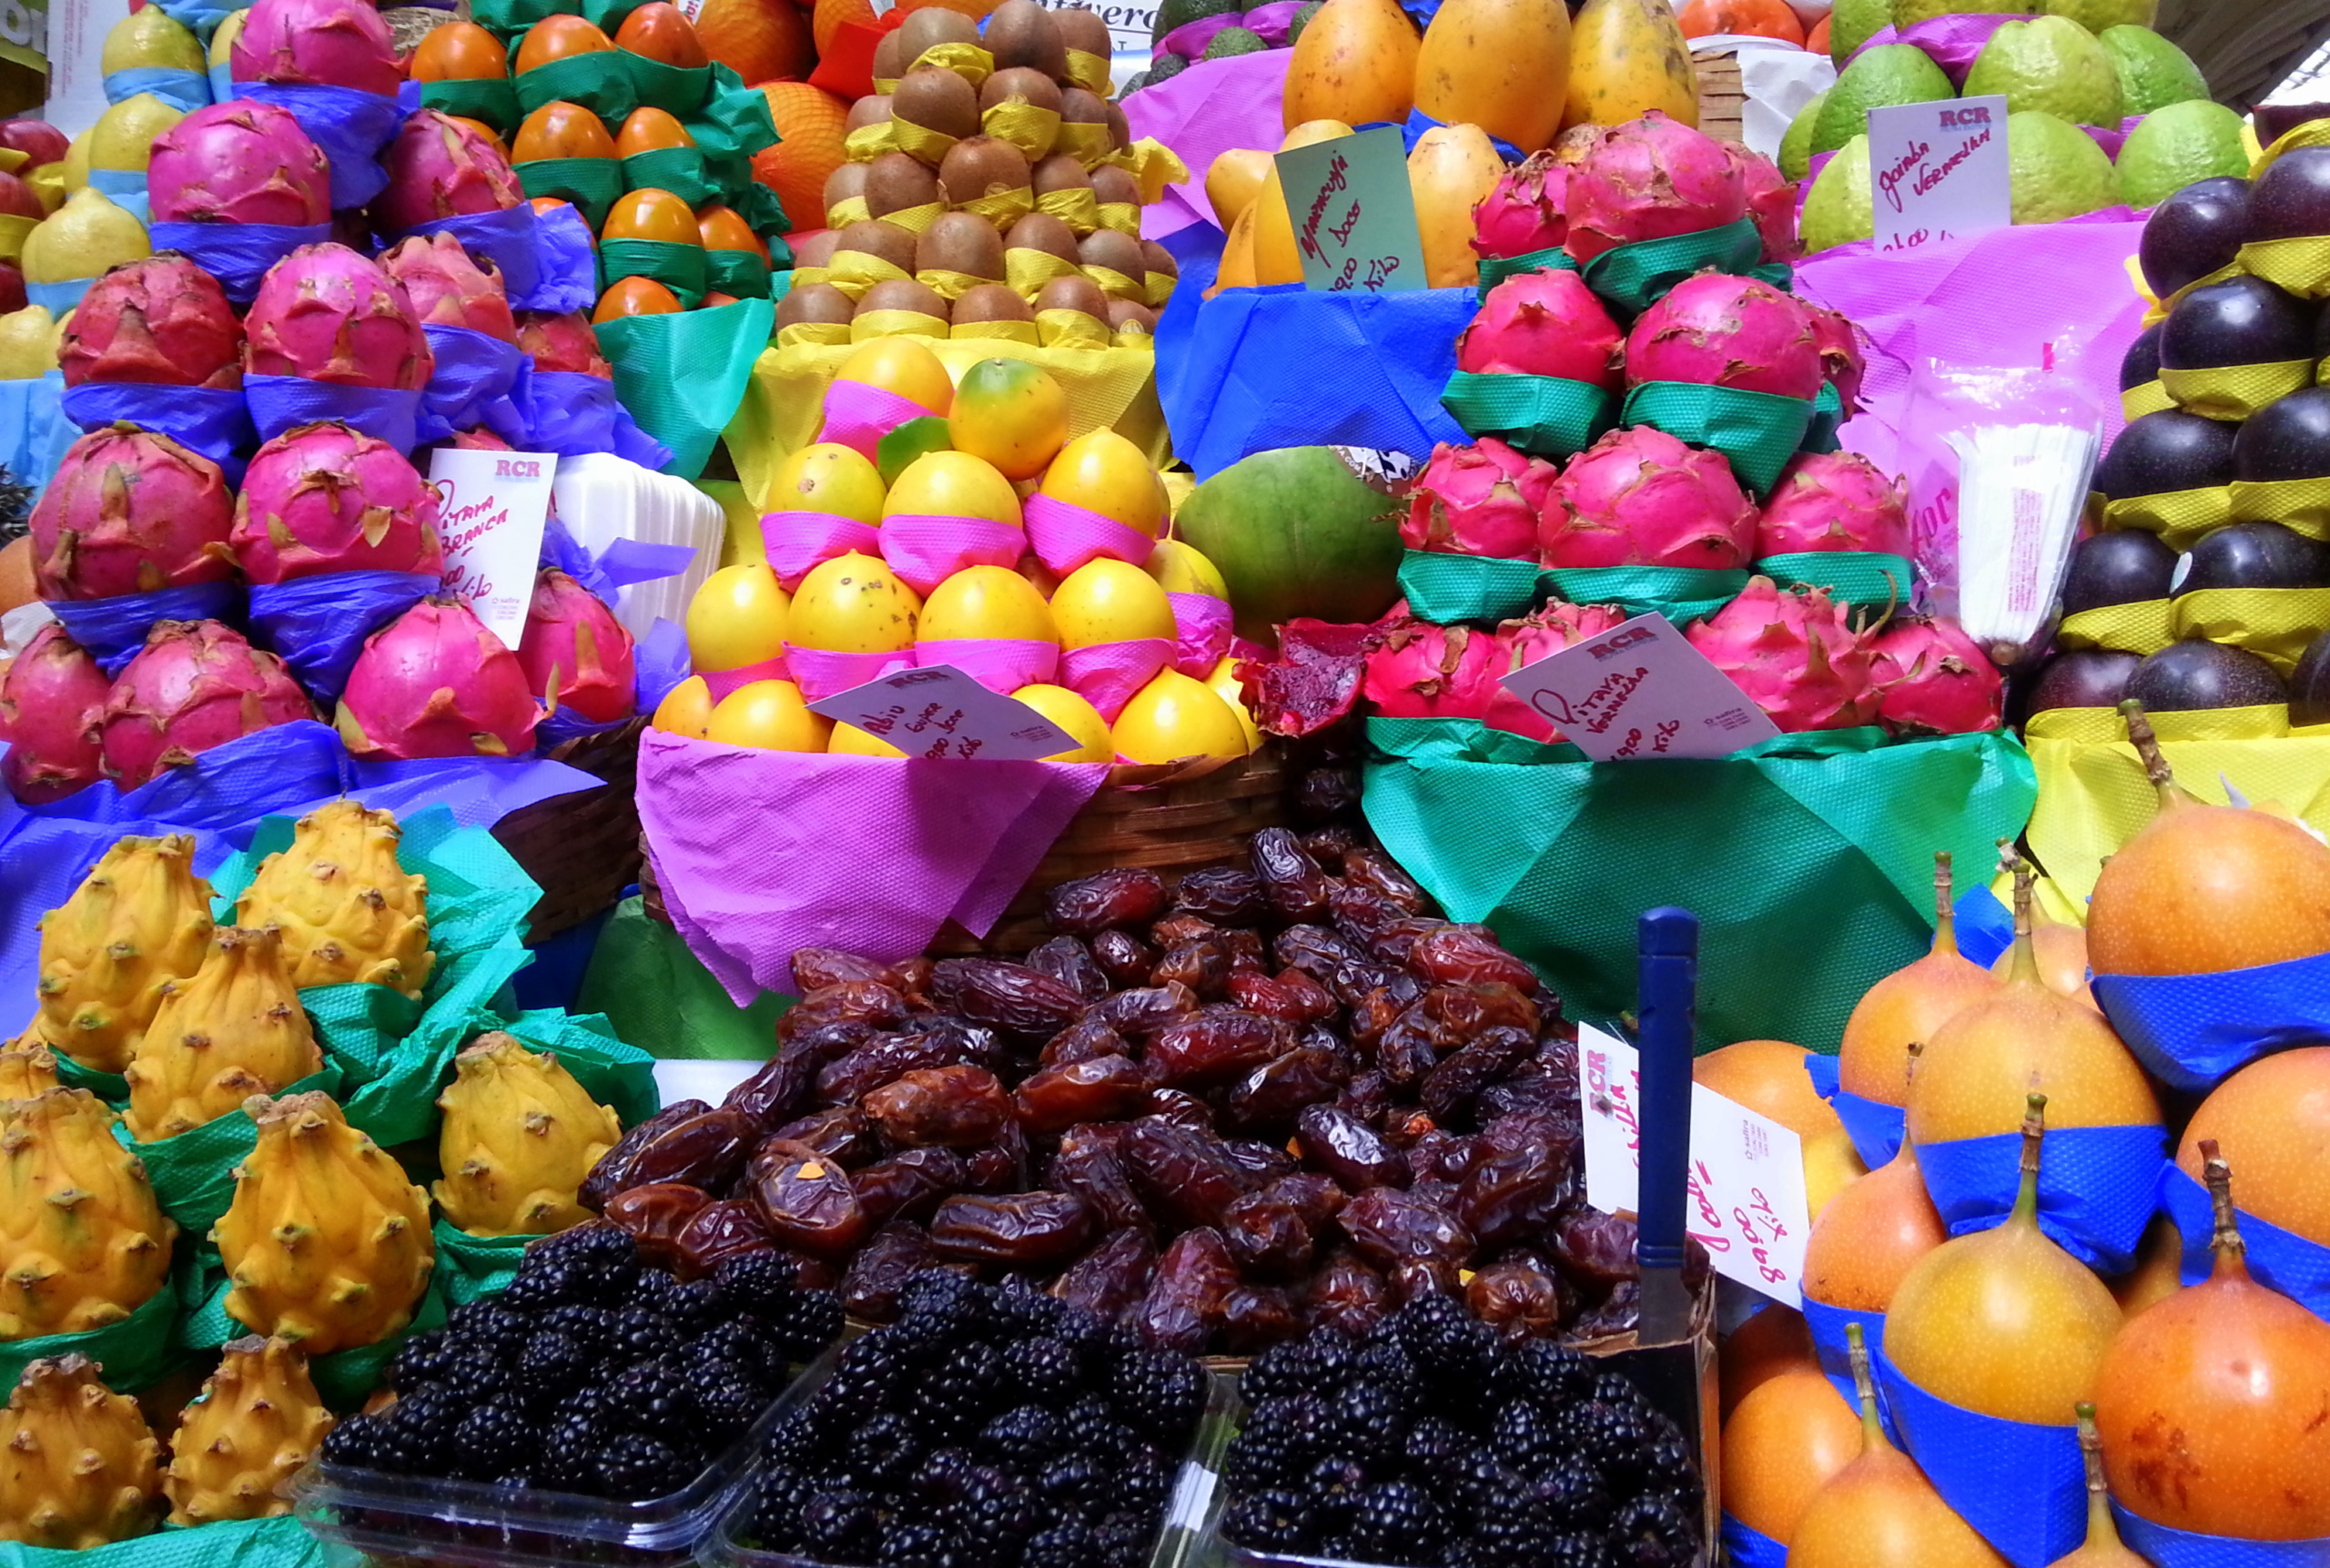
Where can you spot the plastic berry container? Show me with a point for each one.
(1179, 1539)
(360, 1514)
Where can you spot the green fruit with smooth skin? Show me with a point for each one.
(2052, 65)
(1882, 78)
(2095, 15)
(2174, 146)
(1796, 146)
(1853, 23)
(914, 439)
(2059, 172)
(1837, 211)
(2153, 72)
(1910, 13)
(1295, 532)
(1231, 41)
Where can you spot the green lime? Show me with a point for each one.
(1879, 78)
(2054, 65)
(1796, 147)
(1908, 13)
(2174, 146)
(2153, 72)
(2095, 15)
(1837, 209)
(1853, 23)
(2059, 170)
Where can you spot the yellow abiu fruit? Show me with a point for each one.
(829, 478)
(771, 715)
(849, 740)
(1102, 471)
(899, 364)
(1174, 718)
(1077, 717)
(853, 604)
(1223, 680)
(953, 484)
(738, 618)
(1107, 600)
(686, 710)
(985, 601)
(1011, 413)
(1181, 568)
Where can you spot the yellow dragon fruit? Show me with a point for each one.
(140, 920)
(346, 909)
(326, 1242)
(519, 1137)
(26, 1068)
(233, 1030)
(78, 1466)
(257, 1424)
(83, 1242)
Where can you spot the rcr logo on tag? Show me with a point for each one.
(1954, 120)
(1621, 641)
(506, 468)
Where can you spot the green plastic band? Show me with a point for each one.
(2301, 264)
(1681, 594)
(1630, 276)
(1462, 739)
(135, 1353)
(492, 101)
(763, 213)
(683, 171)
(1452, 589)
(597, 81)
(472, 1266)
(2277, 624)
(1779, 274)
(193, 1174)
(1544, 416)
(680, 89)
(1495, 269)
(679, 268)
(2144, 627)
(2234, 392)
(506, 19)
(1758, 431)
(2178, 516)
(1864, 579)
(110, 1087)
(592, 184)
(2151, 398)
(737, 272)
(682, 375)
(1828, 413)
(2303, 505)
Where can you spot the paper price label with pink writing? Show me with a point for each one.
(1746, 1201)
(1639, 691)
(1354, 216)
(492, 517)
(938, 711)
(1939, 171)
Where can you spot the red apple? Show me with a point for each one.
(11, 288)
(17, 197)
(36, 140)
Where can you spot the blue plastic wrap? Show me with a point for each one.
(545, 260)
(2281, 1258)
(238, 253)
(318, 624)
(659, 662)
(212, 421)
(279, 402)
(124, 188)
(1745, 1548)
(184, 91)
(113, 630)
(1826, 1325)
(352, 127)
(2192, 1030)
(222, 79)
(203, 16)
(1822, 1070)
(1368, 374)
(2099, 1187)
(2021, 1487)
(33, 430)
(620, 564)
(1875, 1127)
(1985, 926)
(478, 380)
(1412, 130)
(2172, 1548)
(576, 415)
(56, 299)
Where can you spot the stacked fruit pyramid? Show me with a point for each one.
(184, 1159)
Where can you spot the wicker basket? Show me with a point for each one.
(1722, 99)
(582, 849)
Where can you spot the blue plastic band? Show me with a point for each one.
(2280, 1259)
(1822, 1070)
(184, 91)
(352, 127)
(318, 624)
(1985, 926)
(659, 661)
(113, 630)
(478, 380)
(2099, 1187)
(279, 402)
(2172, 1548)
(56, 299)
(505, 237)
(211, 421)
(35, 434)
(2192, 1030)
(222, 79)
(124, 188)
(627, 561)
(576, 415)
(567, 263)
(1876, 1127)
(1417, 123)
(202, 16)
(1745, 1548)
(238, 253)
(2022, 1487)
(1826, 1325)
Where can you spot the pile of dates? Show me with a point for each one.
(1222, 1109)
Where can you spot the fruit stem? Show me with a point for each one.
(2024, 968)
(2102, 1529)
(1945, 917)
(2230, 1253)
(1872, 1430)
(2026, 1195)
(2147, 744)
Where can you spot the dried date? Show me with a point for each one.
(1368, 1097)
(1215, 1045)
(1071, 963)
(1349, 1150)
(1247, 954)
(1256, 1317)
(908, 1185)
(841, 1134)
(1112, 899)
(1293, 886)
(706, 1149)
(814, 969)
(1101, 1089)
(1112, 1280)
(612, 1173)
(1001, 1166)
(1225, 894)
(1405, 1053)
(1272, 1095)
(1466, 955)
(1261, 1162)
(1181, 1109)
(960, 1107)
(1388, 1226)
(1364, 865)
(653, 1215)
(1203, 965)
(1396, 941)
(1180, 1172)
(1176, 929)
(1596, 1251)
(1520, 1299)
(776, 1089)
(896, 1252)
(1451, 1087)
(1328, 845)
(886, 1060)
(1189, 1295)
(872, 1002)
(1010, 996)
(1353, 983)
(1268, 1237)
(1147, 1010)
(1326, 793)
(1619, 1312)
(1018, 1229)
(1088, 1166)
(1315, 1196)
(1125, 958)
(1363, 913)
(716, 1232)
(1315, 950)
(1082, 1041)
(806, 1201)
(1347, 1295)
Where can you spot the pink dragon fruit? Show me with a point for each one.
(1541, 324)
(1638, 497)
(50, 701)
(1841, 360)
(562, 343)
(1649, 178)
(317, 44)
(327, 314)
(1480, 499)
(434, 682)
(241, 161)
(575, 653)
(437, 167)
(450, 290)
(1522, 642)
(130, 512)
(1834, 500)
(1795, 655)
(196, 684)
(1771, 202)
(1717, 330)
(162, 322)
(1935, 678)
(1522, 214)
(324, 497)
(1425, 672)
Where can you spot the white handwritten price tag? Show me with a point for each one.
(1354, 218)
(1640, 690)
(1939, 170)
(492, 519)
(939, 712)
(1746, 1202)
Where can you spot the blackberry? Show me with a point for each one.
(726, 1341)
(605, 1252)
(1482, 1481)
(593, 1326)
(806, 1324)
(1089, 1335)
(1367, 1423)
(417, 1361)
(695, 1307)
(1653, 1532)
(489, 1321)
(1390, 1367)
(841, 1526)
(945, 1297)
(1271, 1519)
(553, 1365)
(1124, 1541)
(1076, 1481)
(1067, 1544)
(633, 1465)
(783, 1496)
(1545, 1373)
(885, 1450)
(994, 1509)
(1145, 1481)
(494, 1439)
(728, 1399)
(940, 1477)
(1024, 1438)
(635, 1335)
(1666, 1467)
(1609, 1437)
(1159, 1394)
(1455, 1352)
(547, 1280)
(1023, 1312)
(958, 1397)
(1398, 1523)
(1283, 1369)
(1618, 1389)
(1581, 1549)
(349, 1445)
(1437, 1448)
(1511, 1534)
(655, 1398)
(1333, 1487)
(912, 1545)
(1570, 1495)
(795, 1440)
(1046, 1370)
(1524, 1437)
(757, 1282)
(570, 1439)
(472, 1373)
(415, 1435)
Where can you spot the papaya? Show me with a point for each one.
(1296, 531)
(1233, 180)
(1501, 64)
(1627, 57)
(1237, 269)
(1453, 168)
(1276, 257)
(1355, 62)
